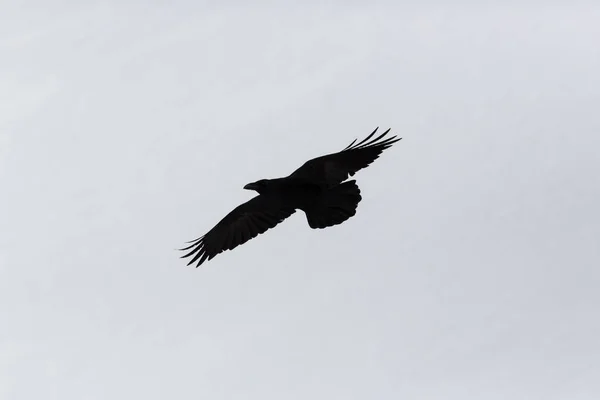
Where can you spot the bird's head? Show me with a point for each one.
(259, 186)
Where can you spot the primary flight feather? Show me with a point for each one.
(319, 188)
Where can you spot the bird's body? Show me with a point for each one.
(317, 188)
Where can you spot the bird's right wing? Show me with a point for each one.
(335, 168)
(245, 222)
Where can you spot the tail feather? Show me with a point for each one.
(335, 206)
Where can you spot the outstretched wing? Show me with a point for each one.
(335, 168)
(245, 222)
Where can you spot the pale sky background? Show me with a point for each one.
(471, 270)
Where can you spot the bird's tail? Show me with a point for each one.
(334, 206)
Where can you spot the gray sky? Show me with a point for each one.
(469, 272)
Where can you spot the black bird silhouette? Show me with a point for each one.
(317, 188)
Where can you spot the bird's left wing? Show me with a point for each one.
(332, 169)
(245, 222)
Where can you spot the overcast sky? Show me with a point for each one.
(471, 270)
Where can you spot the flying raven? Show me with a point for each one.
(317, 188)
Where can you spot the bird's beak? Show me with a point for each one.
(250, 186)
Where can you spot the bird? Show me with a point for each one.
(319, 188)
